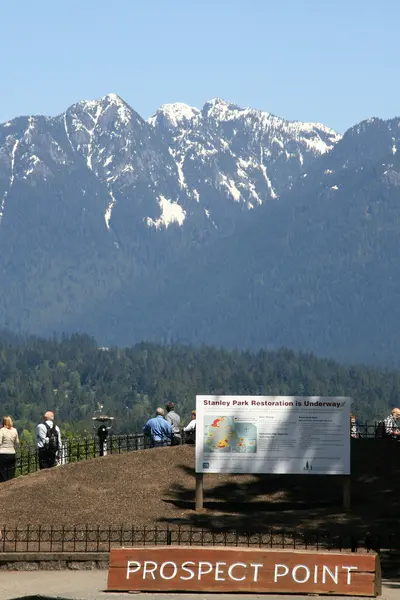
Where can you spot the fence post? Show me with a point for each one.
(346, 492)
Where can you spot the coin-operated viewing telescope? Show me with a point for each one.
(103, 423)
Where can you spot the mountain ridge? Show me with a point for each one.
(215, 224)
(88, 123)
(316, 270)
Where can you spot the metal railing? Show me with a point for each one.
(371, 430)
(85, 448)
(77, 449)
(97, 539)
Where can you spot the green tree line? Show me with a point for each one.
(72, 375)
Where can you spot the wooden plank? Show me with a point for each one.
(216, 569)
(366, 561)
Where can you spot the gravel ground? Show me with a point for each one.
(156, 487)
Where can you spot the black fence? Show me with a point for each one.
(85, 448)
(97, 539)
(371, 430)
(77, 449)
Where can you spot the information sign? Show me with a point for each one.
(273, 434)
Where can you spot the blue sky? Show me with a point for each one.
(331, 61)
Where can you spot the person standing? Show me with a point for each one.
(354, 430)
(48, 442)
(9, 441)
(158, 430)
(175, 421)
(190, 430)
(392, 424)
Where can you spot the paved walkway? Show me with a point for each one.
(90, 585)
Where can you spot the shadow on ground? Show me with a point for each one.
(259, 503)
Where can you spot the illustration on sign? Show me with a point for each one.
(228, 434)
(273, 434)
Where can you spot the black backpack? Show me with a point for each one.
(51, 442)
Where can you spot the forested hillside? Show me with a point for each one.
(72, 375)
(96, 197)
(316, 271)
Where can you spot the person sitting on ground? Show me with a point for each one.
(158, 430)
(392, 424)
(8, 443)
(48, 442)
(175, 421)
(190, 430)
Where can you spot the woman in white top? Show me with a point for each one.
(8, 443)
(191, 429)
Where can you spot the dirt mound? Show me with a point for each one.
(127, 488)
(156, 487)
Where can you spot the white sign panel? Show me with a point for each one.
(273, 434)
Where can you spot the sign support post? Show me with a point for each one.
(199, 491)
(347, 492)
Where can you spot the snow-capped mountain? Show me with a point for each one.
(241, 155)
(182, 165)
(221, 224)
(317, 270)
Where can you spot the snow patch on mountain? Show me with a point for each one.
(33, 160)
(207, 213)
(123, 110)
(230, 186)
(239, 149)
(175, 113)
(171, 212)
(12, 177)
(108, 213)
(30, 129)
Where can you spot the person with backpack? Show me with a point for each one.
(48, 442)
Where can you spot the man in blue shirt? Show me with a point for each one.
(158, 430)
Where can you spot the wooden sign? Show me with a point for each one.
(216, 569)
